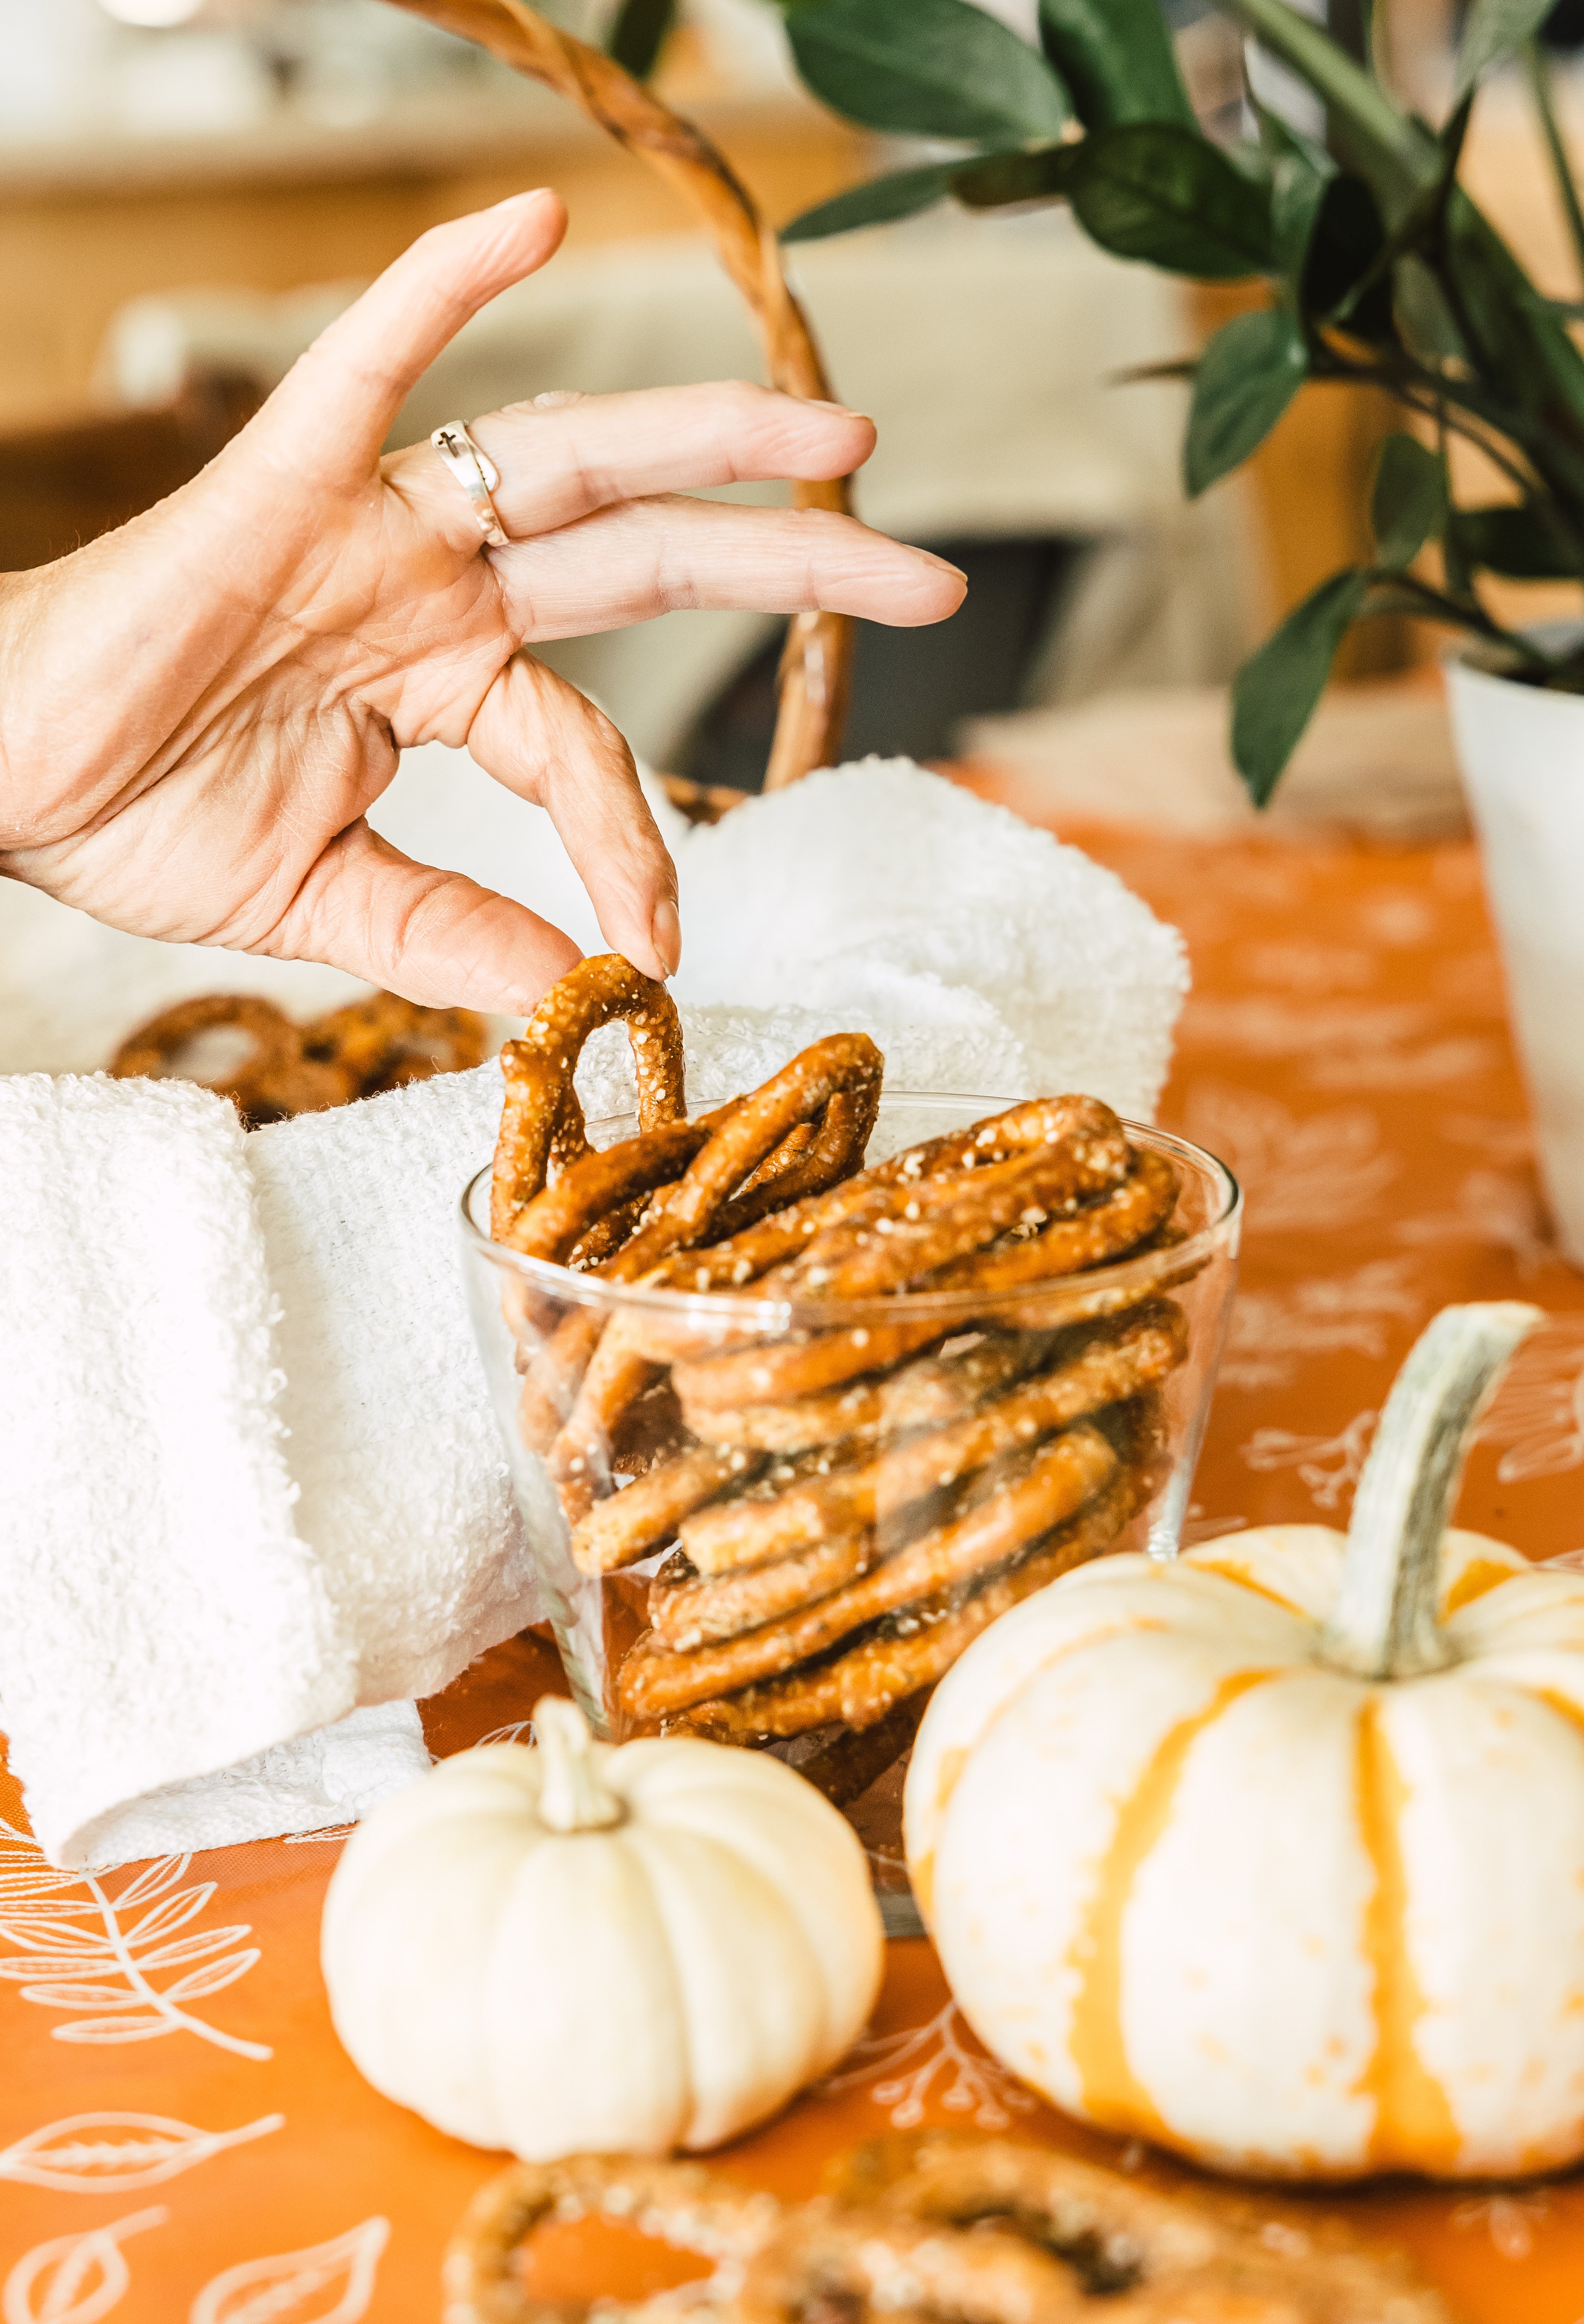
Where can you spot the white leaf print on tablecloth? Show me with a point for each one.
(1347, 1314)
(73, 2279)
(902, 2070)
(1266, 1025)
(1434, 1064)
(1321, 1169)
(328, 2284)
(1491, 1207)
(116, 1957)
(1330, 1466)
(1538, 1411)
(105, 2153)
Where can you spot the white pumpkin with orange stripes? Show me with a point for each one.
(1275, 1854)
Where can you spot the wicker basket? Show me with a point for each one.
(816, 667)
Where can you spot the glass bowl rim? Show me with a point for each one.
(1141, 1273)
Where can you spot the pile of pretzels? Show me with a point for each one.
(859, 1463)
(939, 2224)
(272, 1068)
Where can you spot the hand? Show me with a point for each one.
(198, 710)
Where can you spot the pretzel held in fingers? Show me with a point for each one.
(541, 1122)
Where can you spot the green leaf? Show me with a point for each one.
(1048, 173)
(1410, 499)
(931, 68)
(1492, 30)
(900, 196)
(1298, 195)
(1153, 191)
(1423, 317)
(1116, 57)
(638, 34)
(1524, 544)
(1247, 377)
(1145, 190)
(1275, 693)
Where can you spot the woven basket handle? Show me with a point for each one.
(816, 667)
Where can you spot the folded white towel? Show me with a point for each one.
(251, 1486)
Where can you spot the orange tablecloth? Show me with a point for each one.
(182, 2139)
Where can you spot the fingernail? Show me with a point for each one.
(944, 564)
(846, 411)
(666, 934)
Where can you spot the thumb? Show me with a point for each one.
(334, 409)
(432, 937)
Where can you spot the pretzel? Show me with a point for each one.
(1105, 1368)
(386, 1042)
(915, 1648)
(541, 1121)
(624, 1529)
(1035, 1493)
(271, 1083)
(857, 2265)
(733, 1145)
(1120, 2247)
(685, 2205)
(916, 1221)
(927, 1392)
(687, 1611)
(803, 1364)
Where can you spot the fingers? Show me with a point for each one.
(569, 454)
(432, 937)
(649, 556)
(541, 738)
(334, 409)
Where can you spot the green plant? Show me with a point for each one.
(1382, 274)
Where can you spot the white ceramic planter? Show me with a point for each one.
(1523, 758)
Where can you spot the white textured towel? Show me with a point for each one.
(251, 1495)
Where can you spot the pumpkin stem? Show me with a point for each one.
(1383, 1623)
(573, 1795)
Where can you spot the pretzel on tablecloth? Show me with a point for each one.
(951, 2226)
(684, 2205)
(1133, 2252)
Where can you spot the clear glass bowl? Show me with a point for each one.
(520, 1305)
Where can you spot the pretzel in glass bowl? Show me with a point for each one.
(801, 1390)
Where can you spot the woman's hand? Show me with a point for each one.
(197, 711)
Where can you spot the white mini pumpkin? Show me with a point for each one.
(581, 1947)
(1275, 1854)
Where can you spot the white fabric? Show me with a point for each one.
(250, 1481)
(987, 350)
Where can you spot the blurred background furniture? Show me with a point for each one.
(189, 189)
